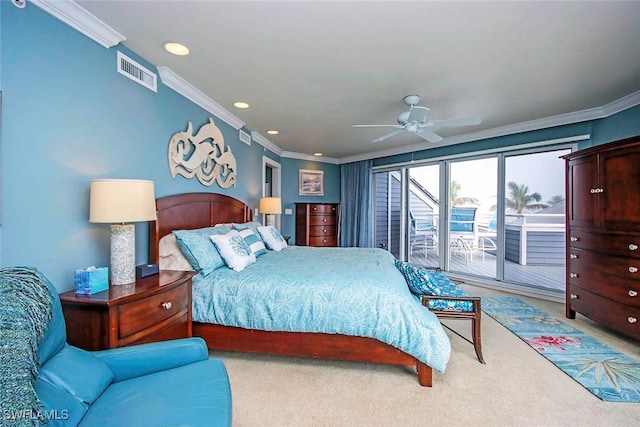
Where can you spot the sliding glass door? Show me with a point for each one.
(473, 237)
(534, 220)
(498, 218)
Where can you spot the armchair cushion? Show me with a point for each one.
(78, 373)
(138, 360)
(200, 394)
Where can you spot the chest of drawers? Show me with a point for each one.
(317, 224)
(603, 235)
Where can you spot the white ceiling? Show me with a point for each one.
(312, 69)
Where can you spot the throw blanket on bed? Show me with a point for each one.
(350, 291)
(25, 312)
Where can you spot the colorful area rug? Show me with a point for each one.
(604, 371)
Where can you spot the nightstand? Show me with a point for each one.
(154, 308)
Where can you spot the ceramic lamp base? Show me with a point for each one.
(123, 254)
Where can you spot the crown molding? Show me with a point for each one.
(310, 157)
(186, 89)
(80, 19)
(266, 143)
(621, 104)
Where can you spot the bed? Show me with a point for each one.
(221, 326)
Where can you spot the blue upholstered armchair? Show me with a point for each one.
(158, 384)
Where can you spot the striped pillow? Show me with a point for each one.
(255, 243)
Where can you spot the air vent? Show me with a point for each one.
(136, 72)
(245, 137)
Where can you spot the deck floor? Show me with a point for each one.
(546, 277)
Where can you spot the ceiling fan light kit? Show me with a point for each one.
(415, 121)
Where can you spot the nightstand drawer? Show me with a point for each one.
(143, 314)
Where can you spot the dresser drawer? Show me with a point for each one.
(322, 209)
(620, 317)
(323, 241)
(322, 231)
(139, 315)
(322, 220)
(626, 245)
(582, 262)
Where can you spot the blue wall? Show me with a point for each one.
(68, 117)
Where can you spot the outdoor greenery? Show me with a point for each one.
(456, 200)
(520, 199)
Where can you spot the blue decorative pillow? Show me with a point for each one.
(234, 250)
(272, 238)
(255, 243)
(198, 249)
(423, 281)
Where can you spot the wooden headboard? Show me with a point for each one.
(193, 210)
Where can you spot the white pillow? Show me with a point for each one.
(272, 238)
(233, 249)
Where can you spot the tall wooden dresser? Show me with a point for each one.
(603, 235)
(317, 224)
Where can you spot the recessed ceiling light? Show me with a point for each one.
(273, 132)
(241, 105)
(176, 48)
(317, 154)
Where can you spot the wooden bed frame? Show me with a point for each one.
(197, 210)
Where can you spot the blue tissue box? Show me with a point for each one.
(92, 280)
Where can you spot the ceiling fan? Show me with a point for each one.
(415, 121)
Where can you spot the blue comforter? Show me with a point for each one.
(350, 291)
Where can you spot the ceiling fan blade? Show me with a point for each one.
(389, 135)
(377, 126)
(470, 121)
(429, 136)
(418, 114)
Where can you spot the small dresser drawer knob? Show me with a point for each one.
(633, 247)
(573, 256)
(633, 293)
(574, 296)
(633, 269)
(632, 319)
(167, 305)
(573, 275)
(324, 231)
(574, 239)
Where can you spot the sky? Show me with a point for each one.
(542, 173)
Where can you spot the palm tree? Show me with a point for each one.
(555, 200)
(521, 199)
(456, 200)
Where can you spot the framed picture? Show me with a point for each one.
(311, 183)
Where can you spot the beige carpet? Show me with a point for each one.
(517, 387)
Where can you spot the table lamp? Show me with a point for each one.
(270, 206)
(119, 202)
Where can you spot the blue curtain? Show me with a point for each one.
(356, 204)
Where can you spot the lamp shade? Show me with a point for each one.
(270, 205)
(122, 200)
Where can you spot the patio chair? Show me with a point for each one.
(423, 235)
(463, 232)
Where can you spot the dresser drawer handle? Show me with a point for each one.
(633, 293)
(573, 275)
(574, 239)
(167, 305)
(573, 256)
(631, 319)
(324, 241)
(633, 247)
(574, 296)
(633, 269)
(324, 231)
